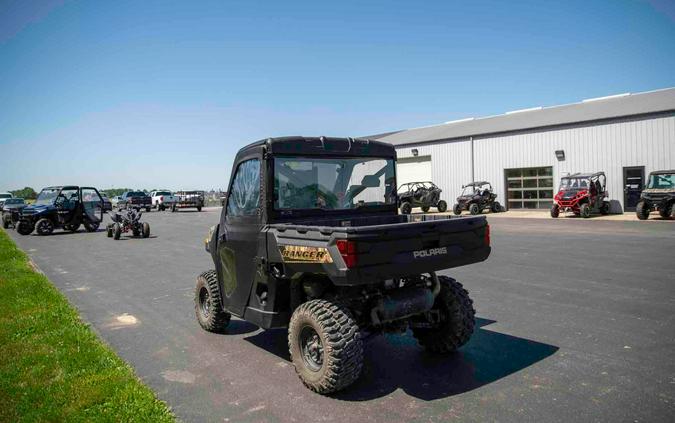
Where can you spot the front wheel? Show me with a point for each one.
(496, 207)
(210, 315)
(456, 319)
(474, 209)
(44, 227)
(145, 229)
(585, 211)
(457, 209)
(24, 228)
(442, 206)
(425, 208)
(325, 346)
(665, 212)
(555, 210)
(116, 230)
(406, 208)
(642, 210)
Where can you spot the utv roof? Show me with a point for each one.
(579, 175)
(477, 183)
(662, 172)
(320, 146)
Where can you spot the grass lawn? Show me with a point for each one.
(52, 365)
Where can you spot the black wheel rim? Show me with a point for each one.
(44, 227)
(204, 301)
(311, 348)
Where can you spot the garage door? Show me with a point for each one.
(413, 169)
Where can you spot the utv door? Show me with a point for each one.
(67, 205)
(92, 204)
(239, 236)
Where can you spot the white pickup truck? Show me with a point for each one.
(163, 200)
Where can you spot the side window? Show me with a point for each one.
(244, 196)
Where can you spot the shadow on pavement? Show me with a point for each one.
(394, 362)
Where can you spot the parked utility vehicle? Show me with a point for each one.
(188, 199)
(582, 194)
(310, 239)
(659, 195)
(4, 196)
(127, 220)
(65, 207)
(476, 197)
(420, 194)
(162, 200)
(11, 211)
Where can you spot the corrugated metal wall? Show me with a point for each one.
(608, 147)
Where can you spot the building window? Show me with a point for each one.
(529, 188)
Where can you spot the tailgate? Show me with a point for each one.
(396, 250)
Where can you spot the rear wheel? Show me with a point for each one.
(210, 314)
(474, 209)
(442, 206)
(642, 210)
(457, 319)
(91, 226)
(116, 230)
(555, 210)
(44, 227)
(5, 221)
(199, 208)
(604, 208)
(24, 228)
(457, 209)
(496, 207)
(145, 229)
(325, 346)
(406, 208)
(147, 209)
(425, 208)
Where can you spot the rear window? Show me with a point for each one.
(162, 193)
(136, 194)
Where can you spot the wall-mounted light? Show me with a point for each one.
(415, 152)
(560, 155)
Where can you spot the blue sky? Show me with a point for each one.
(162, 94)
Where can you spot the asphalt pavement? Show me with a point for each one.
(576, 324)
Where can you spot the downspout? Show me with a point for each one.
(472, 173)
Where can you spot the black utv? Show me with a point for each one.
(65, 207)
(659, 195)
(476, 197)
(420, 194)
(310, 239)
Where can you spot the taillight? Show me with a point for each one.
(487, 235)
(161, 198)
(348, 252)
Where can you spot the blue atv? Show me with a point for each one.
(65, 207)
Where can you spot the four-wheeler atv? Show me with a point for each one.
(310, 239)
(659, 195)
(476, 197)
(127, 220)
(11, 211)
(64, 207)
(420, 194)
(582, 194)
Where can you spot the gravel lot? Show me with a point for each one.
(576, 324)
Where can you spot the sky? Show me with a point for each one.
(162, 94)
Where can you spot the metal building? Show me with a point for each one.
(524, 153)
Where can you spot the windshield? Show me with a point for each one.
(468, 190)
(333, 184)
(573, 183)
(5, 196)
(662, 181)
(47, 196)
(14, 201)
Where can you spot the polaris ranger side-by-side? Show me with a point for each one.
(659, 195)
(310, 239)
